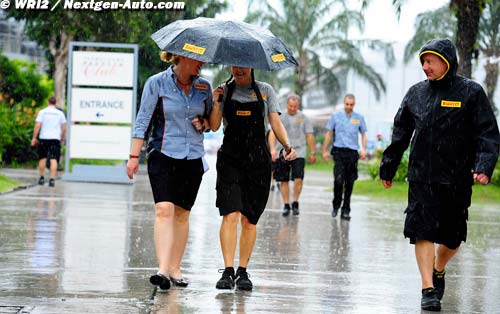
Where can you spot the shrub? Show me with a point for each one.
(22, 92)
(401, 173)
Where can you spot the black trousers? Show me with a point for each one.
(345, 172)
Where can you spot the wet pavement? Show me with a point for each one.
(80, 248)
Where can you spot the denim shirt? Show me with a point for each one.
(346, 129)
(175, 135)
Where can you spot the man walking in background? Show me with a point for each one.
(300, 131)
(455, 141)
(345, 126)
(50, 124)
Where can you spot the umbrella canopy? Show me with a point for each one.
(225, 42)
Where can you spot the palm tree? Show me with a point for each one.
(317, 28)
(468, 13)
(440, 23)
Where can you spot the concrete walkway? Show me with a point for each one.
(88, 248)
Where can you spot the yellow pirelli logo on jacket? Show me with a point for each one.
(243, 113)
(299, 120)
(355, 121)
(451, 104)
(194, 49)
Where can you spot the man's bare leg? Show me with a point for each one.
(443, 256)
(424, 252)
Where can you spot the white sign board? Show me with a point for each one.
(100, 142)
(101, 105)
(91, 68)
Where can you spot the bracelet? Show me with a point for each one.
(133, 156)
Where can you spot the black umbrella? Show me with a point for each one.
(225, 42)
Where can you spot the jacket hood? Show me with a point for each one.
(445, 49)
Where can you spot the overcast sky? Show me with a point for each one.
(380, 17)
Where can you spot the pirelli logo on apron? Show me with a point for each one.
(243, 113)
(264, 95)
(451, 104)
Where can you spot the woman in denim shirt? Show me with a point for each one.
(174, 103)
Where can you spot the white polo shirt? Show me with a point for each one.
(51, 119)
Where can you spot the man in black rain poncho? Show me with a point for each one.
(454, 141)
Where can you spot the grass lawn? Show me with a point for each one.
(399, 192)
(7, 184)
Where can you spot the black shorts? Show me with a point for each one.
(243, 187)
(289, 169)
(50, 149)
(437, 213)
(174, 180)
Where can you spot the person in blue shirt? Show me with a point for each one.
(174, 103)
(344, 126)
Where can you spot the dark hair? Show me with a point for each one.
(52, 100)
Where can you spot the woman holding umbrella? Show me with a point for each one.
(243, 165)
(173, 102)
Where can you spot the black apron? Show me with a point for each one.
(243, 161)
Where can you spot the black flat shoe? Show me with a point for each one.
(160, 280)
(179, 282)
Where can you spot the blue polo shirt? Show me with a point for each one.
(346, 128)
(175, 135)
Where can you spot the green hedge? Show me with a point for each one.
(401, 173)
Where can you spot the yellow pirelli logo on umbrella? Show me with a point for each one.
(194, 49)
(243, 113)
(278, 58)
(451, 104)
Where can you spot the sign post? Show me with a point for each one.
(102, 92)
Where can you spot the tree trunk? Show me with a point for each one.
(61, 63)
(468, 13)
(490, 81)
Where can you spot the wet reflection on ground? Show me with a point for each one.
(80, 248)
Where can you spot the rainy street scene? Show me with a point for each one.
(258, 156)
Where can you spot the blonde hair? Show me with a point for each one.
(169, 57)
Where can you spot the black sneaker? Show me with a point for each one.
(52, 182)
(242, 280)
(160, 281)
(295, 208)
(438, 280)
(430, 301)
(286, 210)
(41, 181)
(227, 279)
